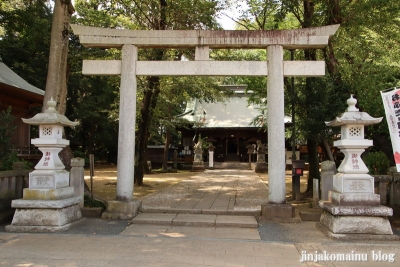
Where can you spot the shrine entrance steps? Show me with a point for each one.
(196, 220)
(232, 165)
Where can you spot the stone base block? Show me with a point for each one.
(277, 211)
(355, 237)
(42, 229)
(310, 216)
(48, 179)
(46, 217)
(356, 224)
(374, 211)
(45, 204)
(296, 219)
(92, 212)
(198, 166)
(119, 210)
(353, 183)
(354, 199)
(48, 194)
(261, 167)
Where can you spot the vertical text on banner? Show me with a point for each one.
(391, 103)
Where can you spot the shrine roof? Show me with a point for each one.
(9, 77)
(233, 112)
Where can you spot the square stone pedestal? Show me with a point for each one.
(278, 213)
(352, 216)
(198, 166)
(120, 210)
(44, 216)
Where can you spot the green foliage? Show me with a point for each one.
(92, 203)
(7, 128)
(8, 162)
(95, 100)
(376, 162)
(7, 155)
(25, 38)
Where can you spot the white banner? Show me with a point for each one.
(391, 103)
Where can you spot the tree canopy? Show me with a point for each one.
(361, 59)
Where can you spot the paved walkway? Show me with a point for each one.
(215, 191)
(174, 245)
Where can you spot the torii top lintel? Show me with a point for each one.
(290, 39)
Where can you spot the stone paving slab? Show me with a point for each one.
(154, 218)
(202, 220)
(236, 221)
(85, 250)
(238, 190)
(131, 249)
(191, 232)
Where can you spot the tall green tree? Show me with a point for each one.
(361, 59)
(149, 15)
(25, 38)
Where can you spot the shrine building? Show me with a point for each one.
(227, 124)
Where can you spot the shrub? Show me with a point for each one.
(7, 129)
(92, 203)
(377, 162)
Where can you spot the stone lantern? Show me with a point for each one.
(49, 204)
(353, 210)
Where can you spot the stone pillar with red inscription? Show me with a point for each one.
(353, 210)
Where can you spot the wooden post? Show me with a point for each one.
(315, 192)
(91, 160)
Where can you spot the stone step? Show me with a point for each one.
(255, 213)
(197, 220)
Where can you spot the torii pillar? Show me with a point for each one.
(125, 207)
(275, 68)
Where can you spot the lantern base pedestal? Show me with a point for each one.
(45, 216)
(353, 183)
(355, 216)
(48, 179)
(198, 166)
(355, 237)
(48, 194)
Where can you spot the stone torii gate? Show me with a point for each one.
(129, 67)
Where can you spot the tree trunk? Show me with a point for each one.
(57, 70)
(313, 161)
(167, 141)
(148, 104)
(166, 149)
(56, 83)
(327, 149)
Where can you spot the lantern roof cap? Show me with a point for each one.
(352, 115)
(50, 116)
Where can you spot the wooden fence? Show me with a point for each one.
(12, 184)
